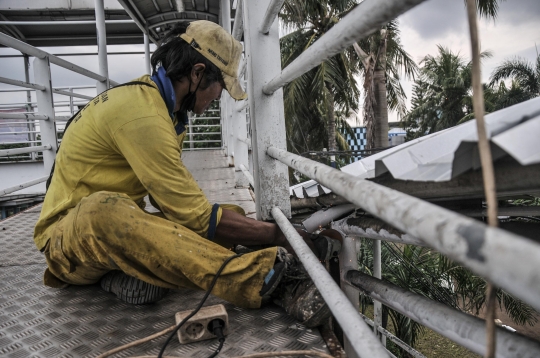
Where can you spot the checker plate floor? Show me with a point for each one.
(84, 321)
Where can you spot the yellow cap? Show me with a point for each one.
(214, 43)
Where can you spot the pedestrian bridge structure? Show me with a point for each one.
(428, 192)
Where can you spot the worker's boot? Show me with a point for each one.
(130, 289)
(290, 287)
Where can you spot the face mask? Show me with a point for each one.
(189, 100)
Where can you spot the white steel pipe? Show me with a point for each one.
(364, 20)
(27, 116)
(364, 342)
(492, 253)
(22, 186)
(374, 229)
(10, 152)
(270, 16)
(348, 260)
(464, 329)
(9, 41)
(9, 81)
(377, 271)
(325, 216)
(71, 94)
(147, 55)
(238, 26)
(243, 106)
(101, 34)
(248, 175)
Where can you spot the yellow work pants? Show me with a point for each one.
(108, 231)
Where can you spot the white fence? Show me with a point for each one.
(253, 134)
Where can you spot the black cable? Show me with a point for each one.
(212, 284)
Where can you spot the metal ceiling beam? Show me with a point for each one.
(12, 29)
(45, 23)
(139, 20)
(190, 12)
(172, 21)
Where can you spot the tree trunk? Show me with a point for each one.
(380, 106)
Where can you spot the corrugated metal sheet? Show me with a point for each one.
(446, 154)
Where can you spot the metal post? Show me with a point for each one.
(238, 28)
(226, 100)
(42, 75)
(190, 126)
(71, 107)
(241, 147)
(102, 46)
(266, 111)
(31, 126)
(147, 54)
(348, 260)
(377, 306)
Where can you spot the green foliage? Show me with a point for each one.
(441, 95)
(330, 86)
(525, 80)
(488, 8)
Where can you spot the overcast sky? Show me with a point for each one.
(436, 22)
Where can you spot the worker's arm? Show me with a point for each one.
(236, 229)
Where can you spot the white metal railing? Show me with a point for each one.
(45, 91)
(489, 252)
(259, 123)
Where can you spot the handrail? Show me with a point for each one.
(489, 252)
(364, 342)
(10, 152)
(365, 19)
(443, 319)
(28, 116)
(23, 185)
(33, 51)
(238, 26)
(270, 16)
(9, 81)
(71, 94)
(248, 175)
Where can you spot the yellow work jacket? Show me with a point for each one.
(125, 141)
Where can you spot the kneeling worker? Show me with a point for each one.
(126, 144)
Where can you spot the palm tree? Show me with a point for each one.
(324, 96)
(441, 95)
(525, 80)
(383, 59)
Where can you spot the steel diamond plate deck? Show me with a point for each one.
(84, 321)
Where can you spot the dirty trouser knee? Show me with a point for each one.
(107, 231)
